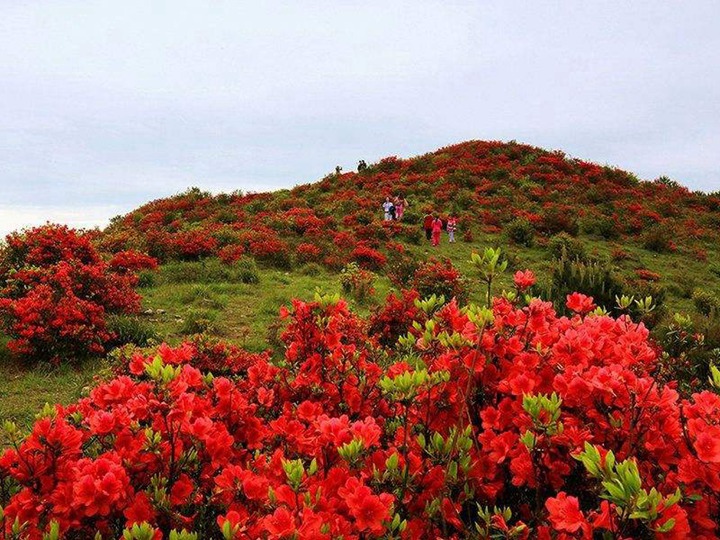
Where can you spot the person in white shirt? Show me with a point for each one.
(387, 205)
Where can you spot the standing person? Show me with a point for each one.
(400, 206)
(387, 205)
(427, 225)
(393, 212)
(451, 228)
(437, 226)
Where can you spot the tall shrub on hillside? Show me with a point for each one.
(56, 291)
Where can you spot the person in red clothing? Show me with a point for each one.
(437, 226)
(427, 225)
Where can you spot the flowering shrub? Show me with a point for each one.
(368, 258)
(357, 282)
(306, 253)
(132, 261)
(510, 422)
(231, 253)
(271, 251)
(194, 244)
(441, 278)
(56, 291)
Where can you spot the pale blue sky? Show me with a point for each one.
(105, 105)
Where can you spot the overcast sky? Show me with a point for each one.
(105, 105)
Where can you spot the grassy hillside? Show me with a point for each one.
(654, 236)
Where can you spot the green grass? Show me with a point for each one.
(243, 312)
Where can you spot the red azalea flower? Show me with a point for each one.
(564, 513)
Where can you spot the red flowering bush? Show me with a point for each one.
(368, 258)
(194, 244)
(306, 253)
(231, 253)
(56, 291)
(440, 277)
(132, 261)
(503, 423)
(271, 251)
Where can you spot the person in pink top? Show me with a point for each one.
(437, 226)
(451, 228)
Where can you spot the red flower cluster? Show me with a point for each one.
(55, 292)
(558, 419)
(440, 277)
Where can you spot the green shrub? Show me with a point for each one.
(310, 269)
(127, 329)
(357, 282)
(706, 302)
(658, 238)
(520, 231)
(715, 269)
(199, 321)
(245, 270)
(564, 245)
(400, 269)
(591, 278)
(147, 278)
(601, 226)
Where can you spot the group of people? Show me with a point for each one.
(433, 226)
(394, 207)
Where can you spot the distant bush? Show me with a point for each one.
(305, 253)
(130, 330)
(590, 278)
(199, 321)
(368, 258)
(400, 269)
(601, 226)
(246, 271)
(564, 245)
(706, 302)
(357, 282)
(413, 235)
(520, 231)
(559, 219)
(310, 269)
(658, 238)
(272, 252)
(440, 277)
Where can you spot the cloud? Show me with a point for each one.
(110, 104)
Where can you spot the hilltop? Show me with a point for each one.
(487, 184)
(211, 382)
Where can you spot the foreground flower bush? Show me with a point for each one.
(510, 422)
(55, 293)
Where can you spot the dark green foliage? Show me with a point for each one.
(520, 231)
(147, 278)
(128, 329)
(602, 226)
(563, 244)
(310, 269)
(591, 278)
(199, 321)
(658, 238)
(246, 270)
(706, 302)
